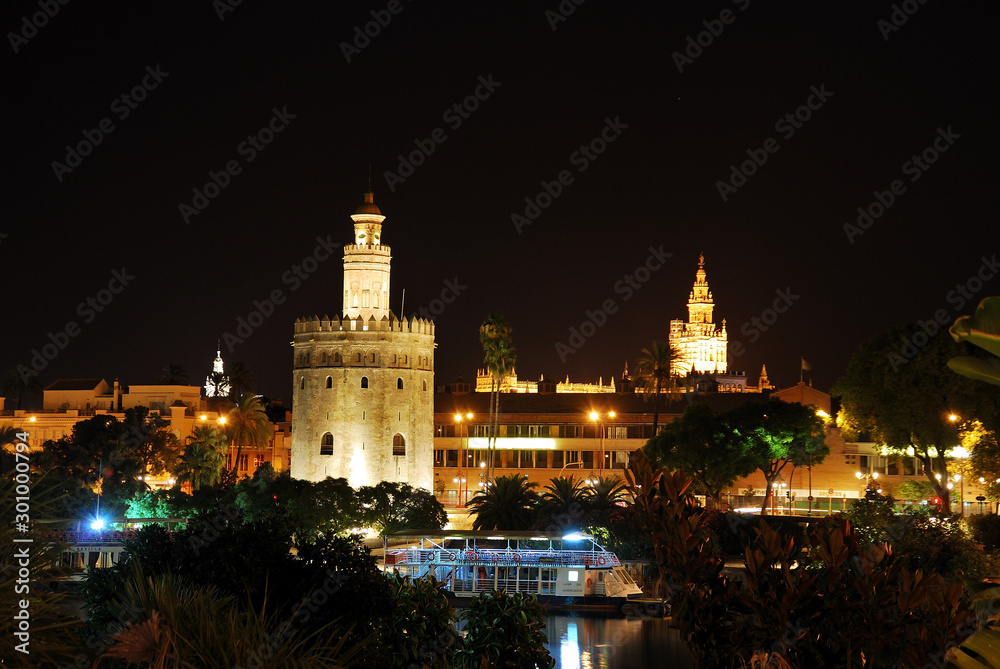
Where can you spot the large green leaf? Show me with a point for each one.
(975, 368)
(984, 643)
(982, 328)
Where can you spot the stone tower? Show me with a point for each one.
(363, 383)
(701, 343)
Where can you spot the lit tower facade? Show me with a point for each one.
(363, 393)
(702, 345)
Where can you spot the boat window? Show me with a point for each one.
(573, 576)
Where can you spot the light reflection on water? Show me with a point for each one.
(603, 641)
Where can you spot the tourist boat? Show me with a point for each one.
(562, 570)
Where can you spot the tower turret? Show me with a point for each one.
(366, 264)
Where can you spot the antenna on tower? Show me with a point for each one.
(402, 314)
(369, 176)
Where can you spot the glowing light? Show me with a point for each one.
(575, 536)
(222, 420)
(458, 417)
(32, 419)
(959, 452)
(822, 414)
(952, 417)
(611, 414)
(203, 417)
(594, 415)
(98, 524)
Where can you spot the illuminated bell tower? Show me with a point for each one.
(700, 302)
(702, 345)
(366, 265)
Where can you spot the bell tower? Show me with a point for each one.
(366, 265)
(700, 303)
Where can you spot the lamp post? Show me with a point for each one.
(868, 478)
(459, 418)
(598, 418)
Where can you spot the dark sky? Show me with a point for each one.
(885, 95)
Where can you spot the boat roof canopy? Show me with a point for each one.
(490, 534)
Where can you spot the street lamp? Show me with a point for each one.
(869, 480)
(599, 419)
(462, 464)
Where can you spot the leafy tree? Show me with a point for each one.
(173, 375)
(16, 385)
(904, 402)
(112, 456)
(508, 503)
(775, 433)
(701, 444)
(654, 373)
(912, 489)
(499, 358)
(247, 426)
(204, 457)
(389, 507)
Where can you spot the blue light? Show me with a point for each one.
(98, 524)
(575, 536)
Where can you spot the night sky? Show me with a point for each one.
(675, 117)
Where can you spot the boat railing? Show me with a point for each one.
(523, 558)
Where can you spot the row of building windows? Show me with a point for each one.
(398, 444)
(893, 465)
(581, 431)
(533, 459)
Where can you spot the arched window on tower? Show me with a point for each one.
(302, 383)
(399, 383)
(364, 381)
(329, 382)
(425, 385)
(355, 301)
(398, 444)
(326, 446)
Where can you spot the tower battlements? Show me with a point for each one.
(385, 324)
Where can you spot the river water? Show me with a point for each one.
(609, 641)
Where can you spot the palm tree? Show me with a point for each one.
(508, 503)
(607, 493)
(563, 502)
(204, 457)
(654, 373)
(17, 385)
(241, 381)
(173, 375)
(499, 357)
(8, 435)
(248, 425)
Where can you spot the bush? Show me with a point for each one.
(986, 530)
(504, 630)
